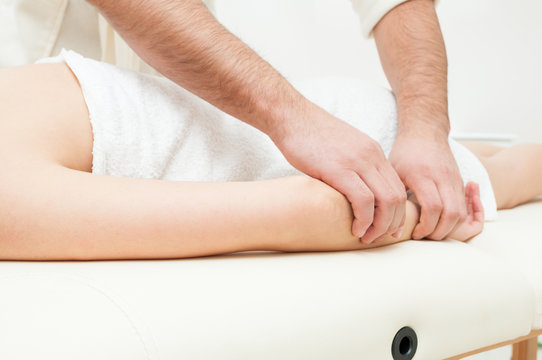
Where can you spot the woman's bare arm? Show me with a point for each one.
(49, 212)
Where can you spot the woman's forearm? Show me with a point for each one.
(332, 223)
(73, 215)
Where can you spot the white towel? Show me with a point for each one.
(149, 127)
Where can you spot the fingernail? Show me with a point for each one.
(398, 233)
(361, 233)
(365, 241)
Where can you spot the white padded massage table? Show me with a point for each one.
(444, 298)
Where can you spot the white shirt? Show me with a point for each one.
(35, 29)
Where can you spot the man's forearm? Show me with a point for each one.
(413, 56)
(183, 41)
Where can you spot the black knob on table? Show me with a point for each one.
(404, 344)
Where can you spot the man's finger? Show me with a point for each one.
(431, 208)
(386, 202)
(400, 192)
(477, 207)
(379, 227)
(398, 220)
(360, 197)
(453, 202)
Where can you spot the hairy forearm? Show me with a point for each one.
(183, 41)
(72, 215)
(413, 55)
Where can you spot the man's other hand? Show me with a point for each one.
(427, 167)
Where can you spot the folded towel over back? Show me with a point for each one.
(149, 127)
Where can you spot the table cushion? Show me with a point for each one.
(516, 238)
(344, 305)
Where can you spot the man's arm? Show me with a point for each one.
(413, 56)
(183, 41)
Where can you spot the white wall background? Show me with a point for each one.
(494, 49)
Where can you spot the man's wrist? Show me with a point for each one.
(423, 130)
(414, 121)
(286, 115)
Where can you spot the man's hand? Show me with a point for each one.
(348, 160)
(183, 41)
(427, 167)
(413, 56)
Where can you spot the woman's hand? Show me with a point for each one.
(474, 223)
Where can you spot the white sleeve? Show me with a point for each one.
(371, 11)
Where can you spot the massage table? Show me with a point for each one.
(417, 299)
